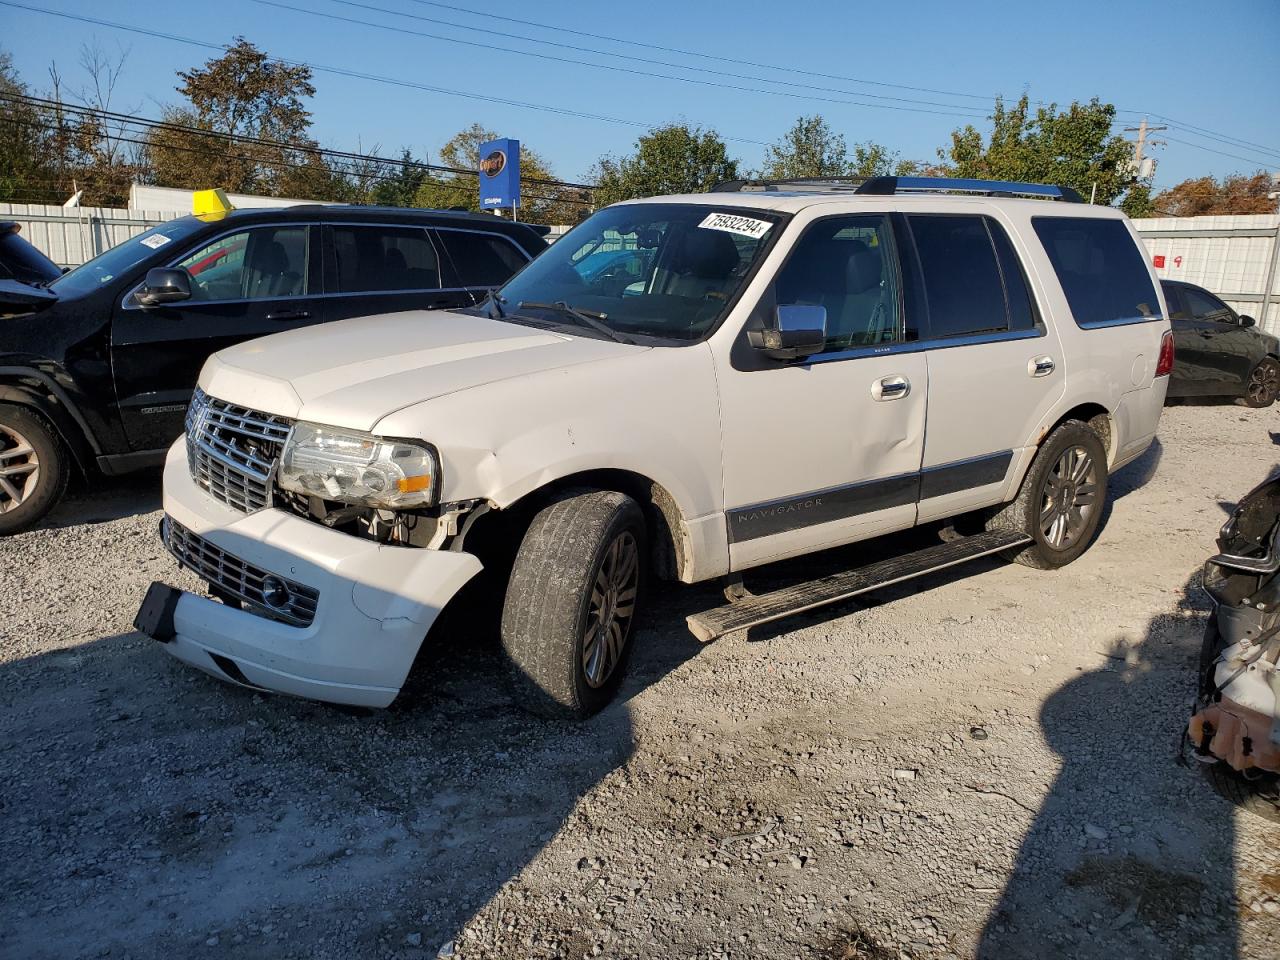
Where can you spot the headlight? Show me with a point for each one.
(357, 468)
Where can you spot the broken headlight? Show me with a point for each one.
(358, 468)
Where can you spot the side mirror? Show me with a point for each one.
(164, 285)
(799, 330)
(1247, 321)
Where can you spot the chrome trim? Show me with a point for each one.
(916, 346)
(1118, 322)
(232, 451)
(228, 574)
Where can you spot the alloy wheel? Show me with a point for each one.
(1070, 498)
(611, 609)
(1264, 382)
(19, 469)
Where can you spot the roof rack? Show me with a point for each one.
(890, 186)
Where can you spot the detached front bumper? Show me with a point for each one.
(374, 604)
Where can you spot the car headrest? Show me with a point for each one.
(862, 269)
(709, 254)
(270, 259)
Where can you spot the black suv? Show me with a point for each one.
(96, 368)
(1218, 352)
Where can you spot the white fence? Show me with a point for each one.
(69, 237)
(1236, 257)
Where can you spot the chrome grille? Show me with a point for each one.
(263, 593)
(232, 450)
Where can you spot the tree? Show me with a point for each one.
(400, 189)
(671, 159)
(812, 149)
(809, 149)
(540, 202)
(1073, 148)
(26, 170)
(241, 97)
(1206, 196)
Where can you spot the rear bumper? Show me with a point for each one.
(375, 605)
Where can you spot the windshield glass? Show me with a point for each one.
(659, 270)
(123, 257)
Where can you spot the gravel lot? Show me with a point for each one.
(985, 766)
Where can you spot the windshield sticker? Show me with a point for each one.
(731, 223)
(156, 241)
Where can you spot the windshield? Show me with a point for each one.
(123, 257)
(659, 270)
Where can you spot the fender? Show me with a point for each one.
(29, 387)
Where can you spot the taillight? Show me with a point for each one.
(1164, 366)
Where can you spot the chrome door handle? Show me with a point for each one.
(890, 388)
(289, 315)
(1041, 366)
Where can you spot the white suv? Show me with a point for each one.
(684, 387)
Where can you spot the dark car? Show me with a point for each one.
(21, 261)
(1218, 352)
(96, 368)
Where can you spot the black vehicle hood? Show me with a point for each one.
(18, 298)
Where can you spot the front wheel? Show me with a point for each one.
(1061, 499)
(33, 468)
(571, 603)
(1264, 384)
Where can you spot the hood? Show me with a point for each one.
(352, 373)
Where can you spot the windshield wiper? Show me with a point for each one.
(495, 301)
(588, 318)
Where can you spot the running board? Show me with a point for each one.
(756, 609)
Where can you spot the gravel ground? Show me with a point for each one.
(980, 766)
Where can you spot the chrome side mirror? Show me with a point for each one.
(799, 330)
(1246, 320)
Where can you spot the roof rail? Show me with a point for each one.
(889, 186)
(882, 186)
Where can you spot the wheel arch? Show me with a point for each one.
(30, 389)
(669, 541)
(1092, 413)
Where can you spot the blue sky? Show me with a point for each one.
(1210, 67)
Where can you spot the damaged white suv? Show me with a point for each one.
(681, 388)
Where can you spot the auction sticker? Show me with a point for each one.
(155, 242)
(732, 223)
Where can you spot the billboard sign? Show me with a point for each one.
(499, 174)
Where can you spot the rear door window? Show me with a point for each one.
(373, 258)
(1102, 272)
(962, 279)
(1205, 306)
(481, 259)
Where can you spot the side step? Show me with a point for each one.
(756, 609)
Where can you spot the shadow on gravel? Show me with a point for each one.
(100, 499)
(1131, 855)
(153, 812)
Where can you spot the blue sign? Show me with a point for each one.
(499, 174)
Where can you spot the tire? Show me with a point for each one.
(558, 664)
(1263, 384)
(33, 468)
(1051, 548)
(1258, 795)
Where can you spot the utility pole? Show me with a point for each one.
(1139, 148)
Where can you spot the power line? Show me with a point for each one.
(1223, 153)
(487, 16)
(490, 32)
(356, 74)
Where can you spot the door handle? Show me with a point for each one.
(1206, 335)
(1041, 366)
(890, 388)
(289, 315)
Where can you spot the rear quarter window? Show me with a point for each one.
(1102, 272)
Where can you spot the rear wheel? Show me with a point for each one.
(1060, 502)
(1264, 384)
(33, 468)
(571, 603)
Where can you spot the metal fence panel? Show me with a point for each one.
(69, 237)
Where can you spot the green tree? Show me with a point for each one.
(399, 189)
(1073, 147)
(671, 159)
(240, 97)
(809, 149)
(26, 171)
(1206, 196)
(1138, 201)
(540, 202)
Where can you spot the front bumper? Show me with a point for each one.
(376, 603)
